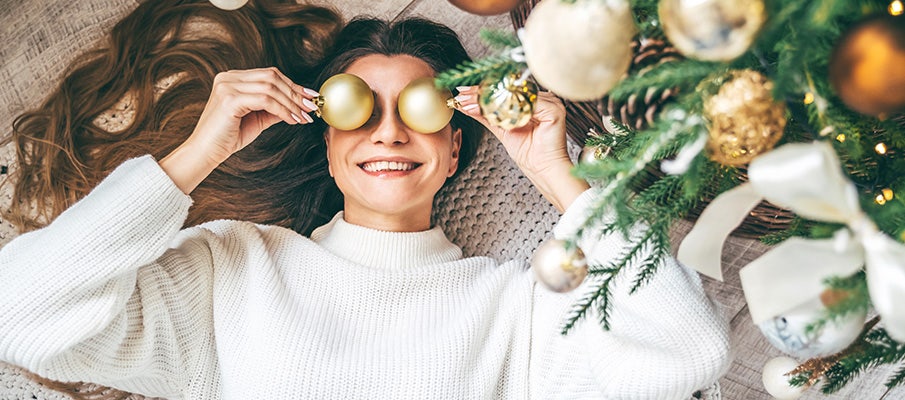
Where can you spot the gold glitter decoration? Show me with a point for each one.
(507, 103)
(744, 119)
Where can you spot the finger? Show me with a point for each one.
(298, 94)
(247, 98)
(299, 113)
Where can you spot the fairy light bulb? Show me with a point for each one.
(880, 148)
(896, 8)
(840, 138)
(808, 98)
(879, 199)
(888, 194)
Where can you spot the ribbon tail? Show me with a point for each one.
(793, 273)
(886, 282)
(702, 248)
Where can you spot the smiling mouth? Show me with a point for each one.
(388, 166)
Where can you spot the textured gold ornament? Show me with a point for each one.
(424, 107)
(345, 102)
(713, 30)
(507, 103)
(486, 7)
(559, 267)
(581, 49)
(867, 68)
(744, 120)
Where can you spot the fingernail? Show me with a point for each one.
(310, 104)
(463, 97)
(469, 107)
(462, 88)
(310, 92)
(308, 118)
(296, 118)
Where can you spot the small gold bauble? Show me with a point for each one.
(713, 30)
(423, 107)
(486, 7)
(229, 4)
(507, 103)
(593, 154)
(580, 49)
(743, 118)
(345, 102)
(867, 68)
(559, 267)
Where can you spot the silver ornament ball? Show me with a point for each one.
(788, 332)
(558, 266)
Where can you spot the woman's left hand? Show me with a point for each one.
(538, 148)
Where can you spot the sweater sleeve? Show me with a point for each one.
(665, 341)
(98, 296)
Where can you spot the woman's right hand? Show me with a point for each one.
(242, 104)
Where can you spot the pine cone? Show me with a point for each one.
(639, 112)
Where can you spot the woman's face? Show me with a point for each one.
(387, 172)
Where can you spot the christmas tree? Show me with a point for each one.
(779, 119)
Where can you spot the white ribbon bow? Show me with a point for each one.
(807, 179)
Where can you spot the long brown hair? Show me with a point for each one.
(62, 154)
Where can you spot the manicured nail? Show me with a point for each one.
(463, 97)
(462, 88)
(308, 118)
(296, 118)
(310, 92)
(469, 107)
(310, 104)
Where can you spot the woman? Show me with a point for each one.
(375, 304)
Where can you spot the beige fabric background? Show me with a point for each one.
(39, 37)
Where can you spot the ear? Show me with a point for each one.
(456, 146)
(329, 164)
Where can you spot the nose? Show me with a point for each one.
(390, 130)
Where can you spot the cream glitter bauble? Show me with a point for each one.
(559, 268)
(229, 4)
(777, 383)
(579, 50)
(345, 102)
(423, 107)
(507, 103)
(788, 332)
(713, 30)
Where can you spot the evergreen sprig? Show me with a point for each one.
(876, 349)
(473, 72)
(499, 39)
(852, 295)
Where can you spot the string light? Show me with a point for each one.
(880, 148)
(880, 199)
(840, 138)
(896, 8)
(808, 98)
(888, 194)
(884, 196)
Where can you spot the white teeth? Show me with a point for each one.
(379, 166)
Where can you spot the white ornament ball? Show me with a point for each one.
(559, 267)
(579, 50)
(788, 332)
(229, 4)
(777, 383)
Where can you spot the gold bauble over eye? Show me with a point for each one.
(345, 102)
(423, 107)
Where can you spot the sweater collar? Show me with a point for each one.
(383, 249)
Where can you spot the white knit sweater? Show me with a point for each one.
(113, 292)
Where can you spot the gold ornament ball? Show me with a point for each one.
(713, 30)
(744, 120)
(423, 107)
(559, 268)
(867, 68)
(345, 102)
(507, 103)
(229, 5)
(486, 7)
(593, 154)
(581, 49)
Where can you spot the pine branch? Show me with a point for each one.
(897, 379)
(845, 296)
(682, 74)
(473, 72)
(499, 39)
(652, 262)
(600, 296)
